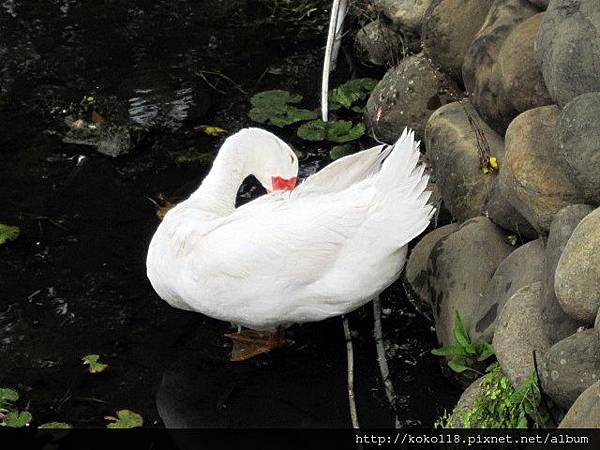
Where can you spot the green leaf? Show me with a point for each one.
(485, 351)
(55, 426)
(343, 131)
(339, 151)
(8, 395)
(125, 419)
(451, 350)
(17, 419)
(315, 130)
(457, 365)
(352, 91)
(522, 423)
(276, 107)
(461, 336)
(93, 361)
(8, 233)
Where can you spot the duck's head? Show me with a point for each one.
(272, 162)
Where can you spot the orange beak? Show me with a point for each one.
(281, 184)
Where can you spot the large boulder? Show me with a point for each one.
(405, 13)
(568, 48)
(520, 332)
(502, 213)
(455, 152)
(520, 76)
(534, 179)
(448, 30)
(465, 403)
(542, 4)
(577, 277)
(406, 96)
(460, 267)
(561, 229)
(377, 44)
(416, 267)
(480, 71)
(521, 268)
(571, 366)
(579, 142)
(585, 412)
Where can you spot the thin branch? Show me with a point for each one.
(350, 357)
(390, 392)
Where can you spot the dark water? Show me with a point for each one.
(74, 283)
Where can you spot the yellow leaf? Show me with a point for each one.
(493, 163)
(212, 130)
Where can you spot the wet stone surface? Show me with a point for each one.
(74, 282)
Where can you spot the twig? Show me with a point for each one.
(390, 392)
(327, 60)
(350, 357)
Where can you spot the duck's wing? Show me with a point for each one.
(344, 172)
(298, 240)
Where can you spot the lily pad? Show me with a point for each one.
(352, 91)
(8, 233)
(93, 361)
(340, 131)
(17, 419)
(8, 396)
(125, 419)
(211, 130)
(339, 151)
(55, 426)
(276, 107)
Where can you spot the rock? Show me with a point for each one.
(406, 97)
(460, 267)
(533, 178)
(406, 13)
(448, 30)
(543, 4)
(502, 213)
(520, 77)
(568, 48)
(579, 142)
(110, 140)
(378, 45)
(416, 267)
(577, 277)
(571, 366)
(465, 403)
(585, 412)
(597, 322)
(455, 157)
(521, 268)
(561, 229)
(520, 332)
(480, 71)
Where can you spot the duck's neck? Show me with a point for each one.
(218, 191)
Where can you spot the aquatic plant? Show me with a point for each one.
(277, 107)
(350, 92)
(10, 416)
(93, 361)
(8, 233)
(125, 419)
(339, 131)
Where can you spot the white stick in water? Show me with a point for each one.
(332, 49)
(350, 357)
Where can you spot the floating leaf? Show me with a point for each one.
(125, 419)
(8, 233)
(315, 130)
(55, 426)
(17, 419)
(340, 131)
(343, 131)
(93, 361)
(352, 91)
(276, 107)
(339, 151)
(211, 130)
(8, 395)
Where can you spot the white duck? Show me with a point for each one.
(292, 256)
